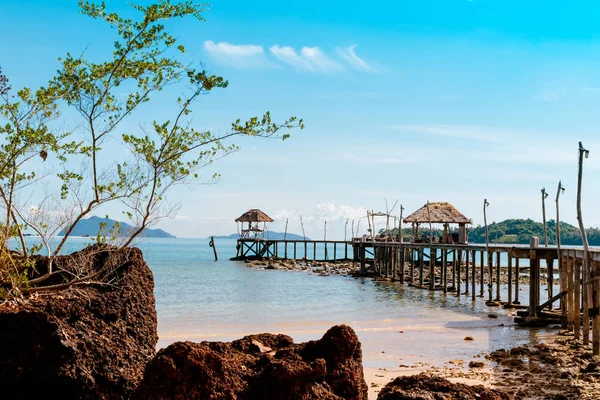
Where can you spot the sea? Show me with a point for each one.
(200, 299)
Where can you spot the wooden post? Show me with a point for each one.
(458, 262)
(421, 265)
(295, 250)
(498, 277)
(363, 257)
(570, 295)
(596, 308)
(550, 277)
(432, 258)
(334, 250)
(589, 295)
(577, 300)
(586, 306)
(534, 274)
(491, 276)
(412, 266)
(509, 302)
(558, 253)
(445, 270)
(212, 244)
(467, 272)
(314, 251)
(474, 272)
(517, 277)
(481, 278)
(544, 197)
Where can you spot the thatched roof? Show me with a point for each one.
(441, 213)
(254, 215)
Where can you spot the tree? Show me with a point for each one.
(79, 176)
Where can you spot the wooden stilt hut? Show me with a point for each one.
(440, 213)
(253, 218)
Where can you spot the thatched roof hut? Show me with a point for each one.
(254, 215)
(440, 213)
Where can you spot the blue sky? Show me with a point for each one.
(446, 100)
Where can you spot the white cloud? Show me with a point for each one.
(319, 60)
(240, 56)
(289, 56)
(591, 89)
(335, 212)
(309, 59)
(183, 217)
(349, 54)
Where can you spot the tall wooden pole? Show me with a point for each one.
(487, 248)
(544, 197)
(346, 231)
(401, 249)
(562, 283)
(586, 264)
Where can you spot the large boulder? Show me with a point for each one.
(425, 387)
(89, 342)
(259, 367)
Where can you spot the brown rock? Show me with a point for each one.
(423, 387)
(89, 343)
(329, 368)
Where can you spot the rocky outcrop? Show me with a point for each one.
(424, 387)
(259, 367)
(91, 342)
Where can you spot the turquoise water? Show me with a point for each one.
(200, 299)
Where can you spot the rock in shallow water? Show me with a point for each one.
(424, 387)
(329, 368)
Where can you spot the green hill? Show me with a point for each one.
(91, 226)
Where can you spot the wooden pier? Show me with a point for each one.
(315, 250)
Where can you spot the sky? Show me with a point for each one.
(435, 100)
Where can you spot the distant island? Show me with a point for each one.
(268, 235)
(91, 226)
(518, 231)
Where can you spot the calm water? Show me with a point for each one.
(200, 299)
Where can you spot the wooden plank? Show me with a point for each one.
(548, 303)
